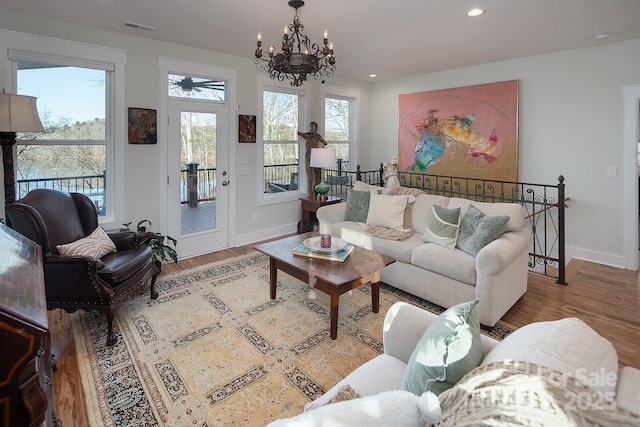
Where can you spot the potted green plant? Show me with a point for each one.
(163, 247)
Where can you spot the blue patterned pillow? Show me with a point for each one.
(477, 230)
(357, 206)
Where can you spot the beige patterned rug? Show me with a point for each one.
(214, 350)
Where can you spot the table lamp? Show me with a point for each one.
(18, 113)
(322, 158)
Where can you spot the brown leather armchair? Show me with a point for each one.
(51, 218)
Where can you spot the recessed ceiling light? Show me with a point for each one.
(373, 75)
(475, 12)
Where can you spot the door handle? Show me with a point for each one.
(225, 183)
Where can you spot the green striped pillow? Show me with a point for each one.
(442, 226)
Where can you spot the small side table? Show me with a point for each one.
(311, 204)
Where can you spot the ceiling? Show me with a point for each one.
(392, 39)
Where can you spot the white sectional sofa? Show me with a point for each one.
(547, 373)
(497, 275)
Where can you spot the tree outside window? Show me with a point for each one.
(337, 116)
(281, 145)
(72, 153)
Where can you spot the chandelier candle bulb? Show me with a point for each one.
(300, 57)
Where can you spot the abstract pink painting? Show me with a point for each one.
(470, 132)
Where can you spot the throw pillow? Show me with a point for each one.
(447, 351)
(96, 245)
(477, 230)
(357, 206)
(442, 226)
(387, 211)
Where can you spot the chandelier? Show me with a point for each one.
(299, 57)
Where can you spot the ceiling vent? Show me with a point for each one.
(139, 26)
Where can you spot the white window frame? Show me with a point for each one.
(15, 46)
(353, 96)
(303, 93)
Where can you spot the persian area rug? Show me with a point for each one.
(215, 350)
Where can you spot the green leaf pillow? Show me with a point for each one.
(477, 230)
(448, 350)
(357, 206)
(442, 226)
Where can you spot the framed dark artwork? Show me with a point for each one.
(471, 131)
(247, 128)
(143, 126)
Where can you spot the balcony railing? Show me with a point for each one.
(282, 177)
(89, 185)
(197, 185)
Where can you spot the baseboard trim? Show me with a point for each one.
(269, 233)
(594, 256)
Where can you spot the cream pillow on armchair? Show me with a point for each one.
(96, 245)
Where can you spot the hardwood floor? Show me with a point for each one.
(606, 298)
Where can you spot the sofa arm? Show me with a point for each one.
(628, 389)
(403, 327)
(497, 255)
(330, 214)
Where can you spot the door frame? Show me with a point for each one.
(631, 95)
(173, 66)
(213, 239)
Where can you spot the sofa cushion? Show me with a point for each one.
(514, 211)
(96, 245)
(387, 211)
(442, 226)
(421, 207)
(400, 250)
(447, 351)
(567, 345)
(454, 264)
(408, 212)
(357, 206)
(478, 229)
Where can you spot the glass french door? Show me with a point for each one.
(198, 189)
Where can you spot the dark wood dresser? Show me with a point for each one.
(26, 387)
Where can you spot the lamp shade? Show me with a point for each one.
(18, 113)
(323, 158)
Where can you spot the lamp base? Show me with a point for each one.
(8, 140)
(322, 190)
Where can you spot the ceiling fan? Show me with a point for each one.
(188, 84)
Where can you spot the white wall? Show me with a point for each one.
(142, 198)
(570, 123)
(571, 113)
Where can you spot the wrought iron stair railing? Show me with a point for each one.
(545, 206)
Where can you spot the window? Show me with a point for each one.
(72, 154)
(281, 145)
(340, 125)
(193, 87)
(80, 98)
